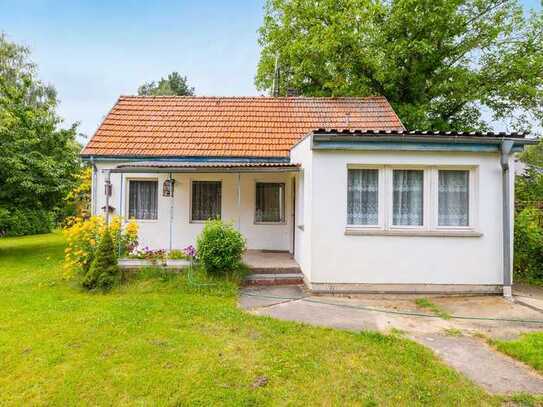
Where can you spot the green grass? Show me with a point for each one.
(527, 348)
(434, 308)
(158, 340)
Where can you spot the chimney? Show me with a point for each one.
(292, 92)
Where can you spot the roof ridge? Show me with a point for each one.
(261, 97)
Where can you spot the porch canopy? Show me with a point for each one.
(205, 167)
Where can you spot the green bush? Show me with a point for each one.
(528, 255)
(220, 247)
(23, 221)
(103, 272)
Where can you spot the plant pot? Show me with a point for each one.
(177, 263)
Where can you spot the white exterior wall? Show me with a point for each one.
(302, 154)
(156, 233)
(339, 258)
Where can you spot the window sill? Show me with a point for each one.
(270, 223)
(350, 231)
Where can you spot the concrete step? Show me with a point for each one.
(274, 279)
(276, 270)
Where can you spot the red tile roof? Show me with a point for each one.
(165, 126)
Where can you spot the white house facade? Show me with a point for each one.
(361, 204)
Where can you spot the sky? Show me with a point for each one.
(95, 51)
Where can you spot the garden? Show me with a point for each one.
(99, 254)
(167, 338)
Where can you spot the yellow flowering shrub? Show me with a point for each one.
(82, 238)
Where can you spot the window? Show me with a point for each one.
(453, 197)
(206, 200)
(408, 189)
(270, 202)
(363, 197)
(143, 199)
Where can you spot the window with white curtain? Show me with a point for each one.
(453, 197)
(143, 199)
(270, 202)
(408, 197)
(363, 197)
(206, 200)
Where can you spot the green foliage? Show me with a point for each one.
(103, 272)
(526, 348)
(173, 85)
(38, 159)
(19, 222)
(439, 63)
(78, 201)
(177, 254)
(528, 259)
(436, 309)
(220, 247)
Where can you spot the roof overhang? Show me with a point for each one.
(416, 141)
(198, 167)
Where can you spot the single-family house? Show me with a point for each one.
(361, 203)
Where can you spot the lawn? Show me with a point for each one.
(158, 340)
(527, 348)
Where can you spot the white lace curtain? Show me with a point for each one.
(363, 197)
(142, 200)
(453, 198)
(407, 209)
(206, 200)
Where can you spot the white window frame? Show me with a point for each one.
(430, 225)
(191, 181)
(380, 195)
(473, 198)
(284, 202)
(426, 187)
(127, 198)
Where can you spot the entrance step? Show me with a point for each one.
(267, 278)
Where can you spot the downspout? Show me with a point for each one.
(506, 147)
(108, 193)
(94, 197)
(171, 211)
(239, 201)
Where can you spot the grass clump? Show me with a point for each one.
(434, 308)
(527, 348)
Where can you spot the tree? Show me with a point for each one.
(173, 85)
(440, 63)
(104, 271)
(38, 158)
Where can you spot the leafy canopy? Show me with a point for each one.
(173, 85)
(441, 63)
(38, 158)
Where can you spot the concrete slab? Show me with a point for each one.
(260, 260)
(492, 370)
(495, 372)
(252, 297)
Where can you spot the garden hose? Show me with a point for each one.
(385, 311)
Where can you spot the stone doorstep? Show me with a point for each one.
(274, 279)
(275, 270)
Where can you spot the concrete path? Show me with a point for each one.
(493, 371)
(471, 356)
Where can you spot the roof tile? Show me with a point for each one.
(229, 126)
